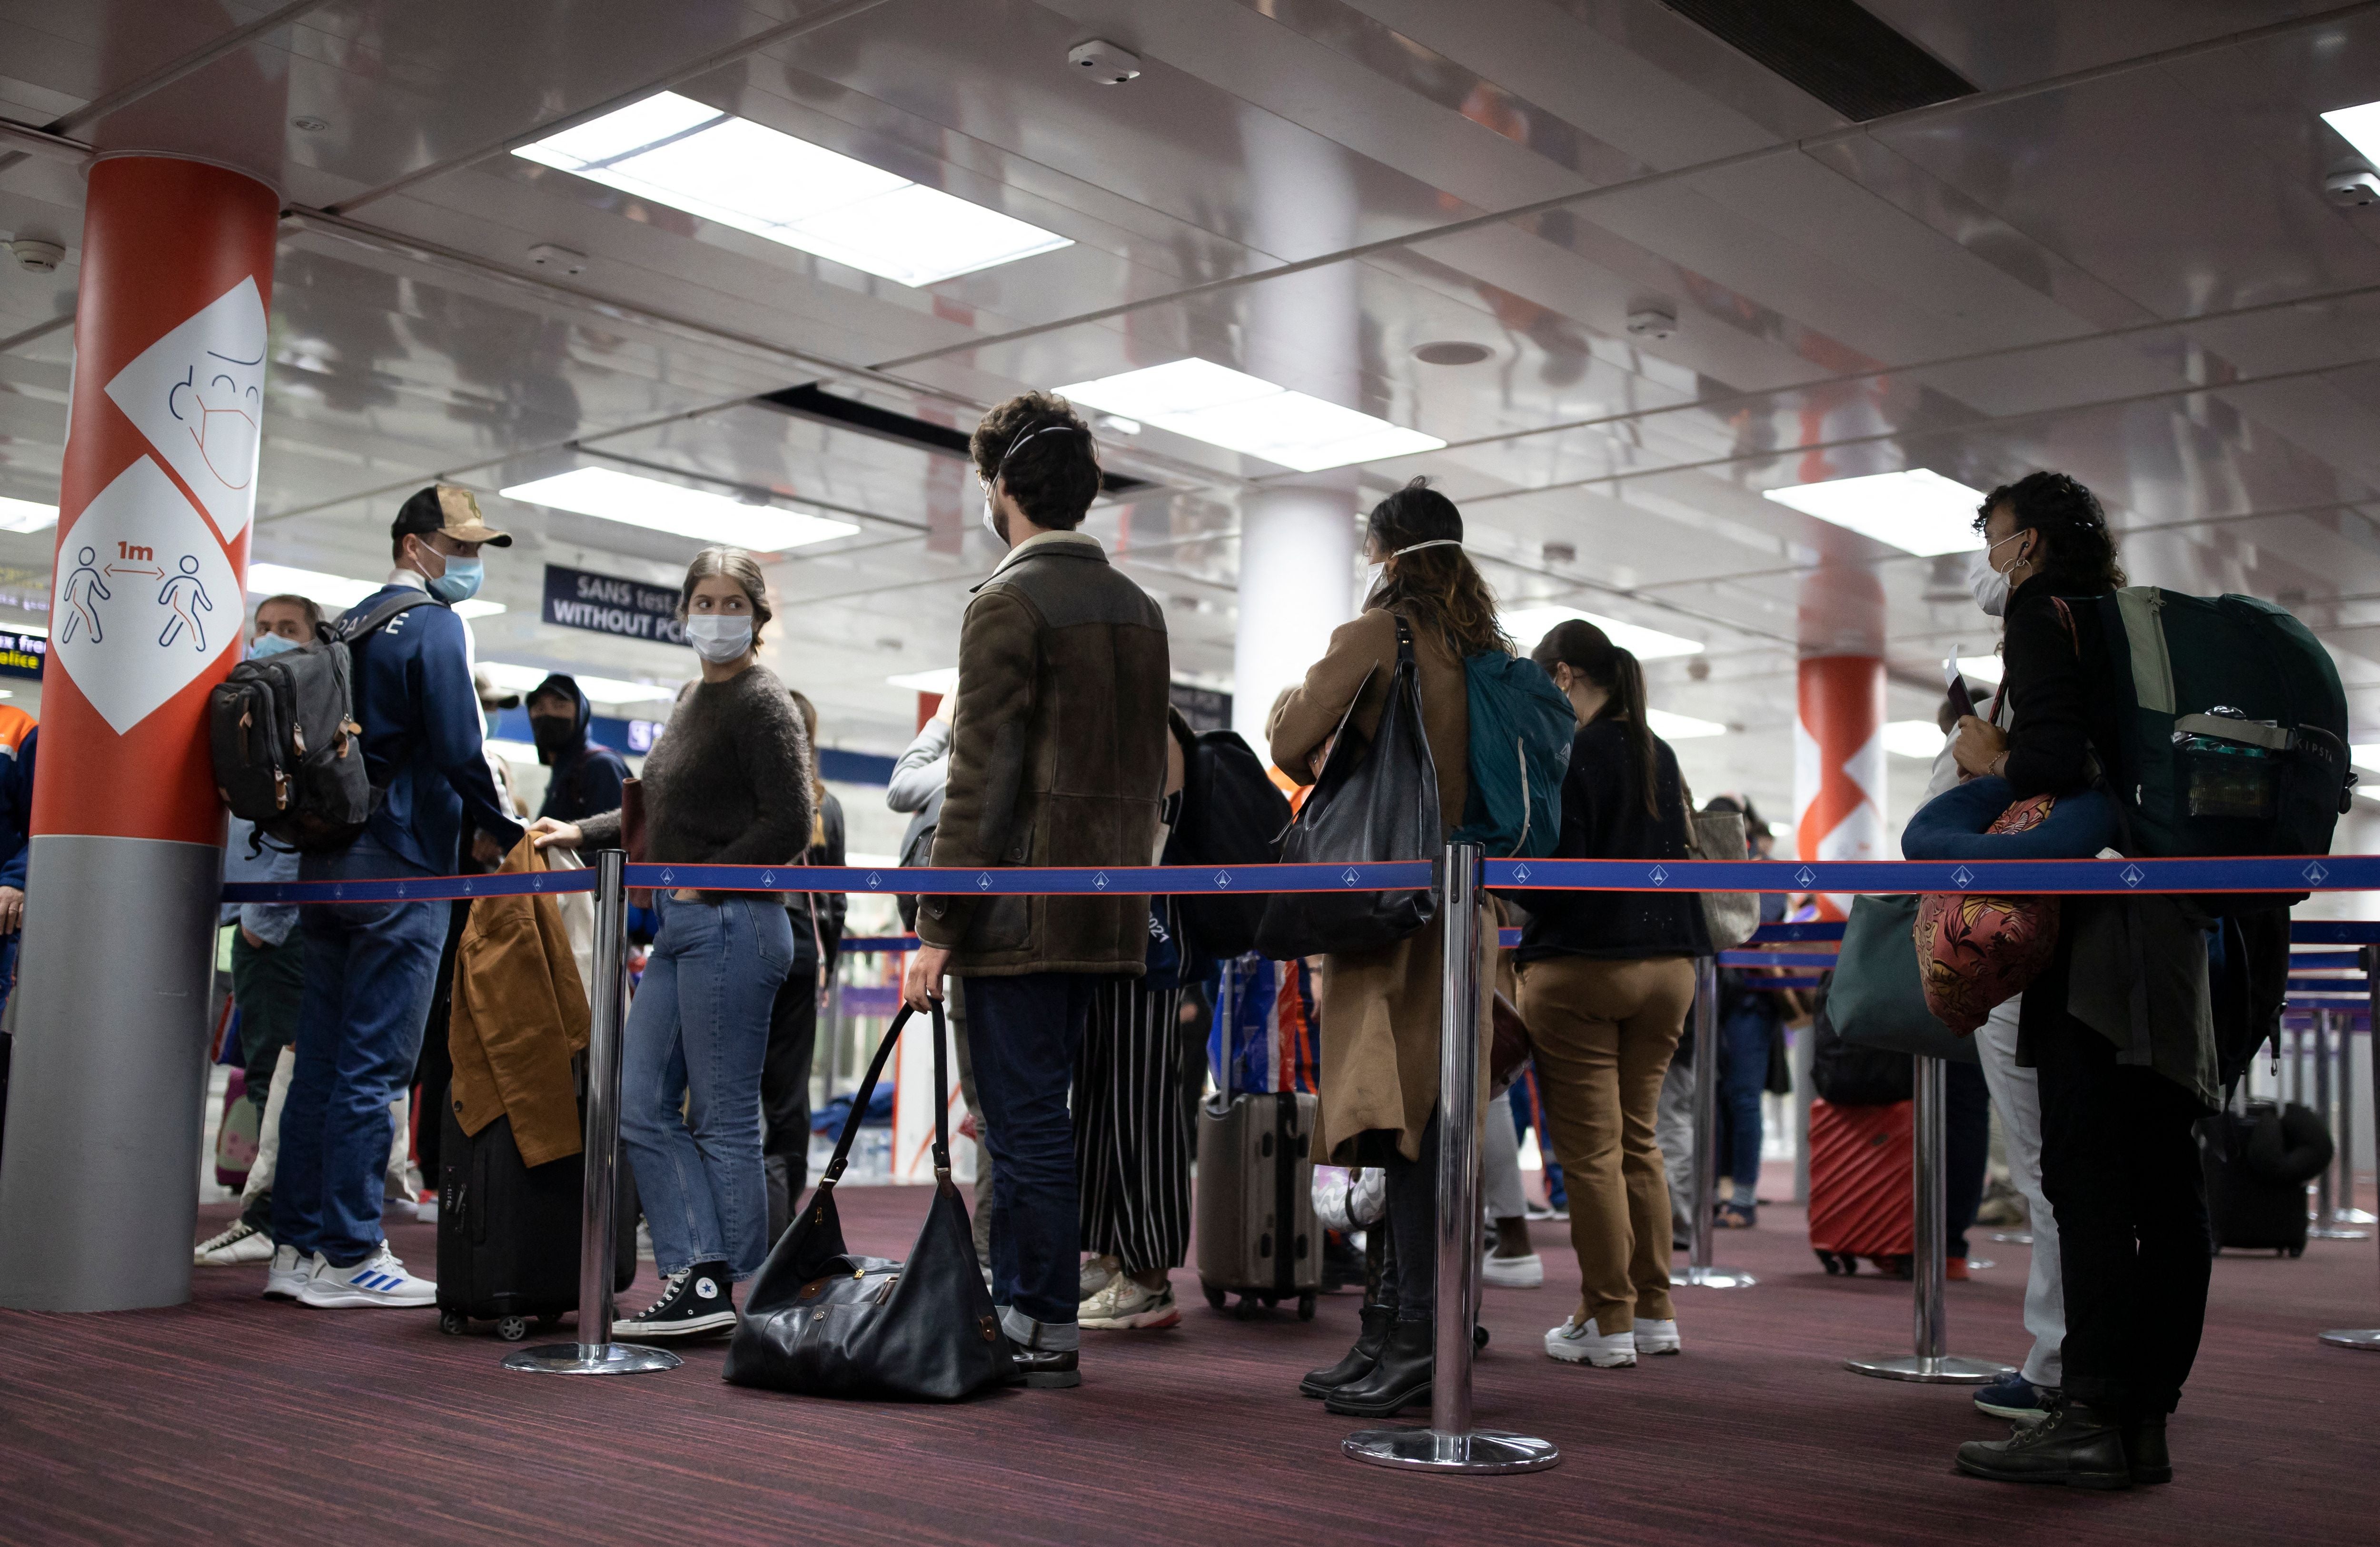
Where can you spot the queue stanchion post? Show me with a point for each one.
(1929, 1269)
(607, 998)
(2343, 1045)
(1451, 1444)
(2366, 1338)
(1703, 1234)
(2329, 1205)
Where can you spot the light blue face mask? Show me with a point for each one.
(268, 645)
(461, 581)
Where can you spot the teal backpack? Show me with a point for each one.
(2232, 725)
(1521, 731)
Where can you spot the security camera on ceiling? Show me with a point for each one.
(1652, 322)
(1104, 62)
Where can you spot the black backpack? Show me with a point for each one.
(288, 753)
(1231, 814)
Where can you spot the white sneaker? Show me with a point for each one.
(1124, 1305)
(242, 1243)
(425, 1208)
(378, 1280)
(1514, 1273)
(289, 1274)
(1657, 1337)
(1573, 1342)
(1098, 1274)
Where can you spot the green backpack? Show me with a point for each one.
(2233, 723)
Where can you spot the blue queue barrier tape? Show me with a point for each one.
(1018, 881)
(2305, 961)
(2334, 931)
(1809, 930)
(2339, 873)
(1777, 958)
(426, 888)
(868, 944)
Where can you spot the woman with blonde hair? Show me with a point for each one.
(728, 784)
(1380, 1012)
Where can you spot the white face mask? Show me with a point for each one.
(992, 520)
(719, 639)
(1989, 584)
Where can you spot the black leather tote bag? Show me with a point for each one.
(1373, 802)
(822, 1321)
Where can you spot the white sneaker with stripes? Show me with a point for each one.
(378, 1280)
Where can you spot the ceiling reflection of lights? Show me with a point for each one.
(1528, 625)
(602, 689)
(1918, 511)
(25, 516)
(673, 507)
(1913, 738)
(334, 593)
(1239, 412)
(2360, 127)
(693, 158)
(1680, 727)
(943, 679)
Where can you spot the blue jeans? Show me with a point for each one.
(698, 1034)
(1522, 1096)
(1743, 1075)
(1022, 1035)
(371, 969)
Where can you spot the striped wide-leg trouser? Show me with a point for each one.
(1133, 1139)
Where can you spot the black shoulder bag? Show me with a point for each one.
(1373, 802)
(822, 1321)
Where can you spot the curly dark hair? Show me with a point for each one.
(1439, 587)
(1039, 448)
(2082, 550)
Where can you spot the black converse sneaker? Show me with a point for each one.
(695, 1300)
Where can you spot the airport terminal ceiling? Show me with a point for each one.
(1613, 277)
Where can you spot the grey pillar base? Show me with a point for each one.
(99, 1196)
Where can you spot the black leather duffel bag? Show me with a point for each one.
(1375, 801)
(822, 1321)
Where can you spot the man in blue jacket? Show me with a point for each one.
(372, 968)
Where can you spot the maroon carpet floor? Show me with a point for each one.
(236, 1420)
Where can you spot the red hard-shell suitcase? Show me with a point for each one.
(1861, 1204)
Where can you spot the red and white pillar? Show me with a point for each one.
(97, 1201)
(1838, 764)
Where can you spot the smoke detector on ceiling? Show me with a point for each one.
(561, 260)
(1652, 322)
(1104, 62)
(2352, 187)
(37, 257)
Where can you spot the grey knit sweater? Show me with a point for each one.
(728, 783)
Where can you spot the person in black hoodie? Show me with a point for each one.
(587, 777)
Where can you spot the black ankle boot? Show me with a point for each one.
(2144, 1451)
(1378, 1320)
(2077, 1444)
(1398, 1379)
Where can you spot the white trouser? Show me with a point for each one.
(1505, 1197)
(1673, 1130)
(2017, 1093)
(268, 1135)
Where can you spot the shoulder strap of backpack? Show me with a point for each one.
(350, 628)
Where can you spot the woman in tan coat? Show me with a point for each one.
(1380, 1011)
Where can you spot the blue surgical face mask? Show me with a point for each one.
(461, 581)
(270, 645)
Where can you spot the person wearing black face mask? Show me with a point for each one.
(587, 777)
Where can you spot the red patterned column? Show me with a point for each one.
(1838, 764)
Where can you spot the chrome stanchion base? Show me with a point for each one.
(2332, 1233)
(1481, 1451)
(2366, 1337)
(576, 1358)
(1932, 1370)
(1717, 1278)
(2012, 1237)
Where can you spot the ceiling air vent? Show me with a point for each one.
(1832, 49)
(812, 402)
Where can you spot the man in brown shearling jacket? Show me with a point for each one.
(1057, 759)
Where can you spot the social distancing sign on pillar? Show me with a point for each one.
(1839, 765)
(156, 497)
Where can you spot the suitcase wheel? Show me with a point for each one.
(2298, 1251)
(1305, 1306)
(453, 1323)
(1828, 1261)
(512, 1329)
(1215, 1297)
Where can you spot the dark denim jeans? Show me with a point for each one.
(370, 970)
(1023, 1034)
(1742, 1075)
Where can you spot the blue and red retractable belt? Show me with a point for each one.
(2343, 872)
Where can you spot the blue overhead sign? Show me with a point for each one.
(611, 604)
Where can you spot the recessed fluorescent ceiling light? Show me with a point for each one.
(1240, 412)
(1913, 738)
(2360, 127)
(603, 690)
(1918, 511)
(25, 516)
(1529, 625)
(1680, 727)
(943, 680)
(333, 593)
(673, 507)
(693, 158)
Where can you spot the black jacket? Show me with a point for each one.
(1603, 817)
(832, 906)
(2058, 718)
(586, 778)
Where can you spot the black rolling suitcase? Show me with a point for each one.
(1254, 1211)
(2257, 1163)
(508, 1234)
